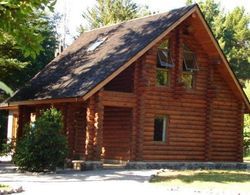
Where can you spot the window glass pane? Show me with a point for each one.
(164, 59)
(160, 128)
(187, 79)
(162, 77)
(163, 55)
(189, 60)
(164, 45)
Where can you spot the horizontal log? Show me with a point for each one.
(185, 144)
(155, 146)
(170, 152)
(172, 157)
(111, 98)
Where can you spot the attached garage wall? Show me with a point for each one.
(117, 133)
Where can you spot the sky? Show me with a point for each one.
(75, 8)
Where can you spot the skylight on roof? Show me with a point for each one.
(96, 44)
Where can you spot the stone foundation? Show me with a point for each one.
(96, 165)
(93, 165)
(187, 165)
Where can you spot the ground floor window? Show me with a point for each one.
(160, 128)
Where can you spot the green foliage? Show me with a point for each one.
(7, 147)
(47, 29)
(5, 88)
(246, 132)
(237, 41)
(17, 69)
(189, 2)
(43, 147)
(18, 20)
(3, 129)
(233, 34)
(112, 11)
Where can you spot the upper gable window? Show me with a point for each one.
(189, 67)
(189, 59)
(164, 62)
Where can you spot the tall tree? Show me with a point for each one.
(112, 11)
(246, 130)
(24, 33)
(232, 32)
(19, 29)
(17, 20)
(237, 41)
(15, 67)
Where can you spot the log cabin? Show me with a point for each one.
(152, 89)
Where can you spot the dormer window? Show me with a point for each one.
(189, 67)
(164, 62)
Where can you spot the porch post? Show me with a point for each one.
(138, 112)
(98, 127)
(94, 128)
(10, 125)
(23, 119)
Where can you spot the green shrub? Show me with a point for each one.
(42, 147)
(7, 147)
(246, 142)
(3, 128)
(246, 133)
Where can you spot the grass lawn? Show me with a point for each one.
(247, 159)
(222, 180)
(4, 187)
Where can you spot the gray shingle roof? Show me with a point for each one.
(77, 70)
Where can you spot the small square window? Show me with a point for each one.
(188, 80)
(162, 77)
(160, 128)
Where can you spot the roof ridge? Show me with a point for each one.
(122, 22)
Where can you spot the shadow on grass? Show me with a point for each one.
(211, 176)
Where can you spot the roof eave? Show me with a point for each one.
(10, 105)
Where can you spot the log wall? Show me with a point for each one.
(117, 133)
(123, 83)
(227, 115)
(203, 122)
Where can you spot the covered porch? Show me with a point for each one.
(103, 128)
